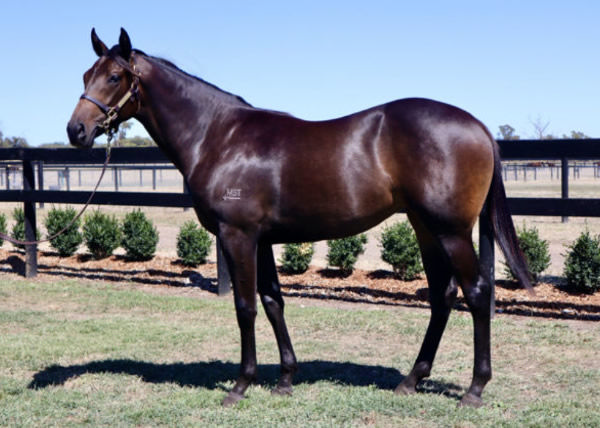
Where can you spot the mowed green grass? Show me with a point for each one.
(78, 353)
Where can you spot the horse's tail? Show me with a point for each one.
(503, 226)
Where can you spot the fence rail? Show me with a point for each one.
(522, 150)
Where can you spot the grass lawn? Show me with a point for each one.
(91, 353)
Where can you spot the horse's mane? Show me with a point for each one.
(168, 64)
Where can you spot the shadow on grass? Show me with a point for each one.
(214, 374)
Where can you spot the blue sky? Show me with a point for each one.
(512, 62)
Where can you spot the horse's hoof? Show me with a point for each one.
(402, 389)
(282, 390)
(471, 400)
(232, 398)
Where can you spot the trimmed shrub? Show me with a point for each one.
(139, 236)
(582, 265)
(3, 227)
(399, 247)
(535, 251)
(101, 233)
(343, 253)
(296, 257)
(193, 244)
(66, 243)
(18, 229)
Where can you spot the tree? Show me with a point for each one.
(123, 128)
(507, 132)
(576, 135)
(12, 141)
(137, 141)
(539, 129)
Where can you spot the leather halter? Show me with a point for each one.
(112, 113)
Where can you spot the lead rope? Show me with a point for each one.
(110, 134)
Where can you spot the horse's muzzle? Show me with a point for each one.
(79, 135)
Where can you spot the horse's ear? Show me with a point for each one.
(125, 44)
(99, 47)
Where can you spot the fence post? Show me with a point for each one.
(153, 178)
(564, 163)
(486, 253)
(67, 174)
(40, 173)
(223, 277)
(116, 178)
(29, 211)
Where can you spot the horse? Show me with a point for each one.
(259, 177)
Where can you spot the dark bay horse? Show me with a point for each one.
(260, 177)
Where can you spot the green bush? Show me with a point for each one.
(399, 247)
(582, 265)
(18, 229)
(101, 233)
(139, 236)
(3, 228)
(67, 242)
(535, 251)
(296, 257)
(193, 244)
(344, 252)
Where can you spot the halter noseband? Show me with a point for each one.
(112, 113)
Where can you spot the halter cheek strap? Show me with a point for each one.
(112, 113)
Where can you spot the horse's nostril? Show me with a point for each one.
(76, 133)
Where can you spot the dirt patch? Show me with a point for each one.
(167, 275)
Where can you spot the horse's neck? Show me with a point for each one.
(178, 110)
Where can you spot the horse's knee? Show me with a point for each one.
(246, 314)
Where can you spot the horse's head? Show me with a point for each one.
(111, 92)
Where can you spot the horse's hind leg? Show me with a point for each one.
(477, 292)
(442, 295)
(270, 295)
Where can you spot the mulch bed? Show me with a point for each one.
(165, 274)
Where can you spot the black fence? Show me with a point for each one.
(561, 151)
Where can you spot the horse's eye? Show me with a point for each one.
(114, 78)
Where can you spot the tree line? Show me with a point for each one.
(507, 132)
(12, 141)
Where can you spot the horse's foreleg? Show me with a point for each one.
(270, 295)
(240, 254)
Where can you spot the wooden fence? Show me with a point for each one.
(27, 160)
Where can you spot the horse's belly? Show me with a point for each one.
(329, 217)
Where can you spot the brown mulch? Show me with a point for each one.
(166, 275)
